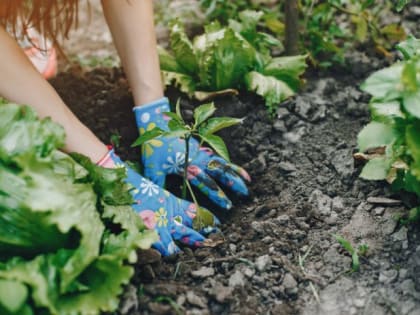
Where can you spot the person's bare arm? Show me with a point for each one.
(132, 27)
(21, 83)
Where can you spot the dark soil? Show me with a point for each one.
(279, 254)
(305, 188)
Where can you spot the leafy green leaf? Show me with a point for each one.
(271, 89)
(385, 111)
(375, 135)
(225, 60)
(168, 62)
(147, 136)
(401, 4)
(213, 125)
(287, 69)
(183, 49)
(345, 243)
(385, 84)
(413, 147)
(410, 47)
(57, 240)
(411, 103)
(355, 265)
(184, 82)
(13, 295)
(217, 144)
(203, 112)
(376, 169)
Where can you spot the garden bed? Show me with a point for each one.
(279, 255)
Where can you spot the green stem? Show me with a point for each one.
(187, 157)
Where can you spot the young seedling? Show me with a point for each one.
(204, 128)
(355, 254)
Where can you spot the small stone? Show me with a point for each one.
(322, 203)
(287, 167)
(383, 201)
(263, 262)
(359, 302)
(234, 237)
(196, 300)
(257, 226)
(332, 219)
(248, 272)
(282, 219)
(149, 256)
(232, 248)
(343, 163)
(261, 210)
(337, 204)
(279, 125)
(400, 235)
(290, 284)
(402, 274)
(282, 112)
(295, 135)
(379, 211)
(388, 276)
(203, 272)
(221, 293)
(237, 279)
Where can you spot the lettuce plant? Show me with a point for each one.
(228, 59)
(393, 135)
(67, 230)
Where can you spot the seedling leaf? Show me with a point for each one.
(217, 144)
(202, 113)
(148, 135)
(215, 124)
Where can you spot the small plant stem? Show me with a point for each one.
(191, 192)
(187, 157)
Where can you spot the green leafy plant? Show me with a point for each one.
(223, 60)
(327, 28)
(68, 232)
(391, 141)
(355, 253)
(203, 128)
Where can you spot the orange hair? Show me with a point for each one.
(52, 18)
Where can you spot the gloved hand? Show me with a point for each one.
(170, 216)
(166, 155)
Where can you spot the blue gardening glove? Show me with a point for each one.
(166, 155)
(170, 216)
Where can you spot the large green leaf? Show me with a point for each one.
(411, 102)
(271, 89)
(168, 62)
(184, 82)
(413, 147)
(57, 223)
(385, 84)
(385, 111)
(183, 49)
(410, 47)
(215, 124)
(375, 135)
(217, 144)
(287, 69)
(225, 61)
(13, 295)
(376, 169)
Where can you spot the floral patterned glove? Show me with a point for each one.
(170, 216)
(165, 155)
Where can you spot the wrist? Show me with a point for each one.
(151, 115)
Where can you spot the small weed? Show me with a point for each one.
(166, 299)
(355, 254)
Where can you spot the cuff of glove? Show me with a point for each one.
(110, 160)
(150, 115)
